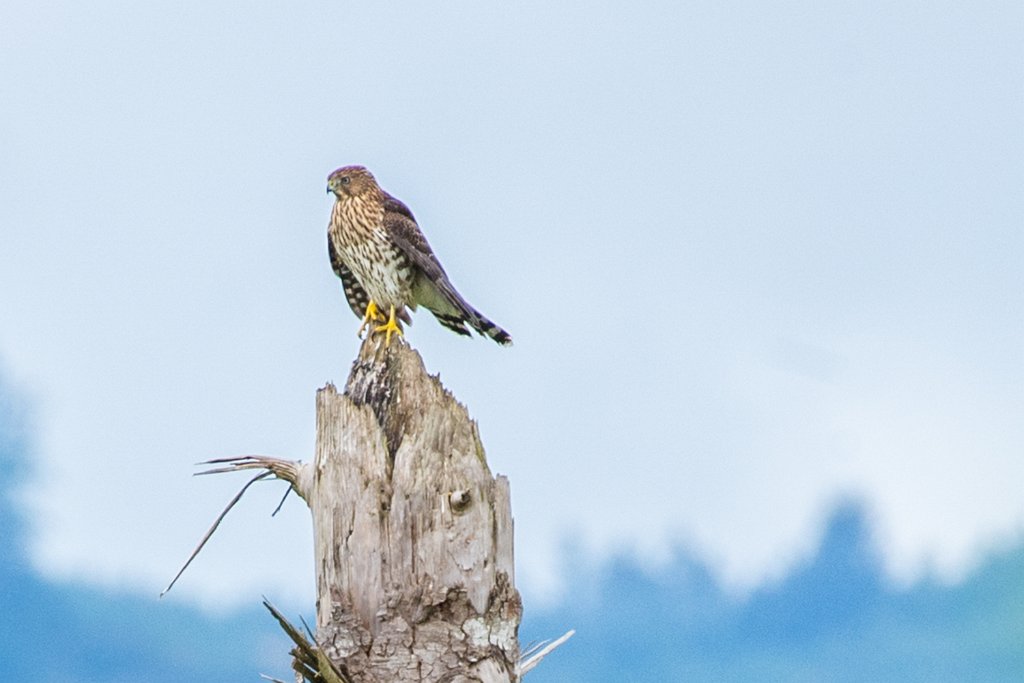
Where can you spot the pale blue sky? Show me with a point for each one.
(754, 257)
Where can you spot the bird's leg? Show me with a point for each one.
(372, 314)
(390, 327)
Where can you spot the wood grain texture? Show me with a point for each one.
(413, 535)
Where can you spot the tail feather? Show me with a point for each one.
(473, 318)
(489, 329)
(452, 322)
(454, 312)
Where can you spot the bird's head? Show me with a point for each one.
(350, 181)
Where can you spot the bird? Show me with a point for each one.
(386, 264)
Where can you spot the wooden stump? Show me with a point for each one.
(412, 533)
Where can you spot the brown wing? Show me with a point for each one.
(401, 226)
(354, 292)
(404, 232)
(453, 312)
(395, 205)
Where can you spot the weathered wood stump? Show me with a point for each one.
(413, 535)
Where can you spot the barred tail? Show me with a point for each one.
(489, 329)
(476, 320)
(454, 312)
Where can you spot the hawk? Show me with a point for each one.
(386, 264)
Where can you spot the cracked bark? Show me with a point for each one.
(412, 533)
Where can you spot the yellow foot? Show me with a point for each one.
(390, 327)
(373, 314)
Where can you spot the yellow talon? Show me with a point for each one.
(390, 327)
(373, 314)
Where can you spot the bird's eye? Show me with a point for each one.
(344, 180)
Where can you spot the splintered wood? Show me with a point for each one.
(413, 535)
